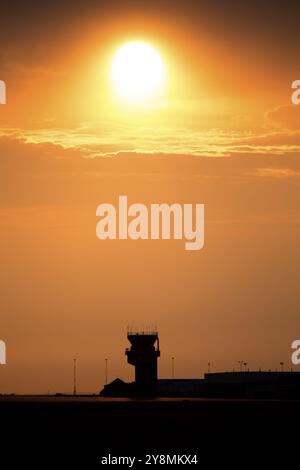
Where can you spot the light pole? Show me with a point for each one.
(281, 365)
(208, 367)
(106, 370)
(245, 364)
(241, 365)
(173, 358)
(74, 377)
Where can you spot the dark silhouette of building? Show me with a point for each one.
(143, 355)
(144, 352)
(253, 384)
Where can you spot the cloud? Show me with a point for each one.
(48, 173)
(111, 139)
(278, 173)
(284, 118)
(48, 187)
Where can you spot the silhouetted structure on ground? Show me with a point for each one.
(143, 355)
(256, 384)
(253, 384)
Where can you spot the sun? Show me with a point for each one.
(137, 72)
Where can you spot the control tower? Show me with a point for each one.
(143, 355)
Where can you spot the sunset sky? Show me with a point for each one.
(222, 131)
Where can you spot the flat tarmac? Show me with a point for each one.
(65, 430)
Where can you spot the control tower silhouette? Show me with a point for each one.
(143, 355)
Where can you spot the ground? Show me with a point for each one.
(66, 431)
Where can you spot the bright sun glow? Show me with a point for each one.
(137, 72)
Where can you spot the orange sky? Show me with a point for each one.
(224, 134)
